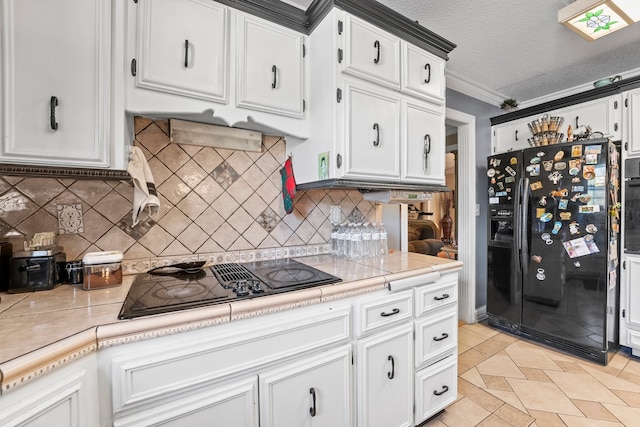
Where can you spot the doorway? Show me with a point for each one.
(465, 202)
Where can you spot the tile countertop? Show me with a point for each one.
(41, 330)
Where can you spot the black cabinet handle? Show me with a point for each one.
(274, 70)
(516, 135)
(444, 296)
(394, 311)
(428, 68)
(426, 151)
(376, 44)
(393, 368)
(186, 54)
(376, 127)
(441, 337)
(577, 124)
(440, 393)
(53, 103)
(312, 410)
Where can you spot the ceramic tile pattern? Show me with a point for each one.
(505, 381)
(213, 201)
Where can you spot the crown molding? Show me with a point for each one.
(572, 90)
(473, 89)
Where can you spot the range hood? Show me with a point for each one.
(380, 191)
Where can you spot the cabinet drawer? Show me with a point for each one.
(383, 310)
(163, 368)
(436, 387)
(436, 336)
(441, 293)
(371, 53)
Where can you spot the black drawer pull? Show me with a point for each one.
(444, 296)
(394, 311)
(440, 393)
(444, 336)
(428, 68)
(312, 410)
(376, 127)
(392, 374)
(274, 71)
(186, 54)
(376, 45)
(53, 103)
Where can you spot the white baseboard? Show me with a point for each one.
(481, 313)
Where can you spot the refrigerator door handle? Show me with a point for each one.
(524, 243)
(517, 207)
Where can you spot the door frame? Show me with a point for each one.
(466, 211)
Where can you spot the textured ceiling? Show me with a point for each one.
(516, 48)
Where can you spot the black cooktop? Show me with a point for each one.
(220, 283)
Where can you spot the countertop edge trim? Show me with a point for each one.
(23, 369)
(114, 334)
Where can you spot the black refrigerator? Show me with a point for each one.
(553, 253)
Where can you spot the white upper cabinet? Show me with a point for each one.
(371, 53)
(601, 115)
(56, 81)
(632, 123)
(422, 73)
(363, 120)
(183, 48)
(270, 67)
(424, 129)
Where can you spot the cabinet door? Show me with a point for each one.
(270, 67)
(631, 270)
(371, 53)
(230, 405)
(424, 143)
(54, 107)
(385, 378)
(422, 73)
(372, 134)
(66, 396)
(315, 391)
(510, 136)
(182, 48)
(632, 124)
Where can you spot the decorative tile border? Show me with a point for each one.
(59, 172)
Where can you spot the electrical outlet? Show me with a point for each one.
(335, 214)
(477, 209)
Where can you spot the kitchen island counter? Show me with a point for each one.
(46, 329)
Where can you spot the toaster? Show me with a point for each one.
(37, 270)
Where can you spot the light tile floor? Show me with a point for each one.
(506, 381)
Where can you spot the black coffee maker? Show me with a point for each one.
(37, 270)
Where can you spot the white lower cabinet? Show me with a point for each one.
(67, 396)
(312, 392)
(630, 303)
(384, 359)
(213, 373)
(384, 364)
